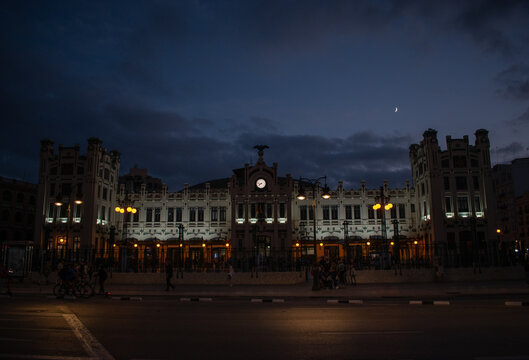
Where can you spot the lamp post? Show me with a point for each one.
(383, 204)
(346, 240)
(126, 208)
(314, 183)
(59, 203)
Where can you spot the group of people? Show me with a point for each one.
(69, 273)
(334, 274)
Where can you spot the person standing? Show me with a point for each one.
(230, 274)
(168, 275)
(102, 276)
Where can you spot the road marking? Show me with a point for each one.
(522, 357)
(93, 347)
(14, 339)
(381, 332)
(44, 357)
(517, 303)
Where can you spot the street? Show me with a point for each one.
(168, 328)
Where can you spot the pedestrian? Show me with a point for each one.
(168, 275)
(102, 276)
(4, 279)
(353, 275)
(230, 274)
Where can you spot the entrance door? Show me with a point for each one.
(197, 258)
(263, 247)
(331, 252)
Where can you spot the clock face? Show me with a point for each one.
(260, 183)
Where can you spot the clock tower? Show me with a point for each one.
(261, 211)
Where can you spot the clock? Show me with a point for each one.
(260, 183)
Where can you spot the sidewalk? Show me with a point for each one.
(304, 290)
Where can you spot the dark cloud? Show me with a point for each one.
(514, 82)
(509, 152)
(523, 119)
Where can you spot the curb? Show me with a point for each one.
(429, 302)
(267, 300)
(336, 301)
(195, 299)
(517, 303)
(134, 298)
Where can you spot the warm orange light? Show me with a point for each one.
(117, 209)
(301, 197)
(321, 244)
(377, 206)
(58, 203)
(61, 240)
(415, 242)
(180, 245)
(392, 243)
(388, 206)
(113, 245)
(78, 202)
(121, 210)
(203, 245)
(129, 209)
(134, 211)
(498, 231)
(368, 243)
(135, 245)
(157, 245)
(227, 245)
(297, 244)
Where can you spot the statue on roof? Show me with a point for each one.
(260, 149)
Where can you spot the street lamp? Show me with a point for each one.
(59, 203)
(314, 183)
(383, 204)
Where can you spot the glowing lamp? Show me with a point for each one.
(377, 206)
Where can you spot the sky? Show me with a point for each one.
(187, 88)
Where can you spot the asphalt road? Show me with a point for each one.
(167, 328)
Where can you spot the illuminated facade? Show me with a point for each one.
(256, 213)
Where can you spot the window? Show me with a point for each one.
(136, 216)
(178, 213)
(67, 169)
(252, 211)
(240, 211)
(402, 211)
(370, 212)
(422, 189)
(474, 163)
(461, 183)
(462, 204)
(269, 212)
(105, 193)
(448, 204)
(460, 162)
(214, 214)
(192, 214)
(393, 212)
(148, 217)
(475, 182)
(200, 214)
(357, 213)
(325, 210)
(303, 212)
(80, 170)
(348, 212)
(157, 212)
(412, 208)
(222, 213)
(334, 212)
(282, 212)
(103, 213)
(447, 183)
(445, 163)
(477, 204)
(106, 174)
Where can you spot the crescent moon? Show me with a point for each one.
(396, 108)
